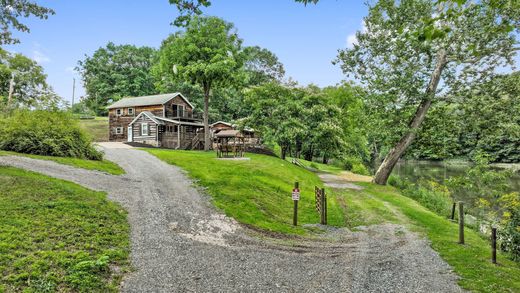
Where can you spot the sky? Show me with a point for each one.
(305, 39)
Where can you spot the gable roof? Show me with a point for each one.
(149, 115)
(147, 101)
(221, 122)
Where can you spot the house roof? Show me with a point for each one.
(221, 122)
(229, 133)
(149, 115)
(147, 101)
(180, 122)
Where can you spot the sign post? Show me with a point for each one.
(295, 198)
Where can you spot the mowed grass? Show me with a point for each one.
(97, 128)
(472, 261)
(103, 166)
(59, 236)
(319, 166)
(256, 192)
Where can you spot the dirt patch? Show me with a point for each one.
(352, 177)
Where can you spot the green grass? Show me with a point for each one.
(255, 192)
(59, 236)
(472, 261)
(319, 166)
(97, 128)
(103, 166)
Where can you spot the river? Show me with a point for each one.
(440, 171)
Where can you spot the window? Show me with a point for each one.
(119, 112)
(119, 130)
(178, 110)
(130, 111)
(144, 129)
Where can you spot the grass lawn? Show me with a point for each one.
(104, 165)
(472, 261)
(59, 236)
(319, 166)
(97, 128)
(257, 193)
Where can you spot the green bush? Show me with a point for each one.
(430, 194)
(510, 235)
(45, 133)
(355, 165)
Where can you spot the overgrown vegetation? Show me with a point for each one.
(45, 133)
(58, 236)
(97, 128)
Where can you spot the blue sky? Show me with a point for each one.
(306, 39)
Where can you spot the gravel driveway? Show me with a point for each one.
(180, 243)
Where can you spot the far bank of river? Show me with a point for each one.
(440, 171)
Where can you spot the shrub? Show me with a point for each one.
(355, 165)
(430, 194)
(510, 235)
(46, 133)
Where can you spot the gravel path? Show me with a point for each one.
(181, 244)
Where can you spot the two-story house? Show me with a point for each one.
(165, 120)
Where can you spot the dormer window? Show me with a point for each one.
(131, 111)
(178, 110)
(119, 112)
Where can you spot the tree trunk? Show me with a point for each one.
(206, 116)
(325, 159)
(284, 151)
(398, 150)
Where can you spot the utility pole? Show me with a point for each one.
(73, 90)
(11, 90)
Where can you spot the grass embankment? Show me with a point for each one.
(58, 236)
(97, 128)
(319, 166)
(103, 166)
(472, 261)
(255, 192)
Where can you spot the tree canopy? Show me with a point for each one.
(10, 13)
(30, 88)
(116, 71)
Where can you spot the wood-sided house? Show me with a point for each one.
(166, 120)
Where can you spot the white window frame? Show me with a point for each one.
(119, 130)
(128, 111)
(143, 127)
(119, 112)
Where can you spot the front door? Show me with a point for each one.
(130, 133)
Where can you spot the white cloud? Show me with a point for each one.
(352, 39)
(39, 57)
(70, 69)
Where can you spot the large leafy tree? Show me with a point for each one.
(206, 53)
(116, 71)
(410, 46)
(10, 13)
(29, 83)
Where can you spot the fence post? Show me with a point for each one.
(494, 245)
(461, 222)
(453, 211)
(295, 214)
(324, 207)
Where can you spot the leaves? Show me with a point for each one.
(11, 11)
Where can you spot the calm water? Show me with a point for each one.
(439, 171)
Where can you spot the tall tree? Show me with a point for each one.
(11, 11)
(116, 71)
(208, 53)
(410, 46)
(26, 81)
